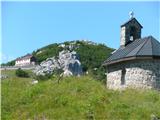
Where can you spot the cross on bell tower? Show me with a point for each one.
(131, 14)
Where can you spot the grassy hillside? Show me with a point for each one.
(74, 99)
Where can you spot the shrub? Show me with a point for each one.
(43, 77)
(99, 74)
(21, 73)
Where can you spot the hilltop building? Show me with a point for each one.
(25, 60)
(137, 61)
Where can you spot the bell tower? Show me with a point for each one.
(130, 31)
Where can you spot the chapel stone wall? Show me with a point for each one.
(137, 74)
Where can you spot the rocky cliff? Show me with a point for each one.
(67, 61)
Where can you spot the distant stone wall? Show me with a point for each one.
(137, 74)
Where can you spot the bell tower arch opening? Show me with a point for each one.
(132, 32)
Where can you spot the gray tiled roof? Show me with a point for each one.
(147, 46)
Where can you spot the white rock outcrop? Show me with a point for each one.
(66, 61)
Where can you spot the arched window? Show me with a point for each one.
(123, 76)
(132, 33)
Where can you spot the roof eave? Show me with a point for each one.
(131, 58)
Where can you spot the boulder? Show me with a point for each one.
(67, 73)
(34, 82)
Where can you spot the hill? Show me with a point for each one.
(92, 55)
(74, 98)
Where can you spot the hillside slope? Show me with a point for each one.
(91, 54)
(74, 98)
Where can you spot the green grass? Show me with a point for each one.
(74, 99)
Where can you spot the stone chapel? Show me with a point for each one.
(136, 63)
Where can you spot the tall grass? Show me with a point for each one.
(74, 98)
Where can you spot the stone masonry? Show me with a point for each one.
(136, 74)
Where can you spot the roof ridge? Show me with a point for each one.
(145, 41)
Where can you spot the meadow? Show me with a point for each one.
(74, 98)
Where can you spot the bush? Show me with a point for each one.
(43, 77)
(99, 74)
(21, 73)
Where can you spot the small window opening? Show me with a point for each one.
(133, 32)
(123, 76)
(131, 38)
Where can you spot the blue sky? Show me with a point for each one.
(27, 26)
